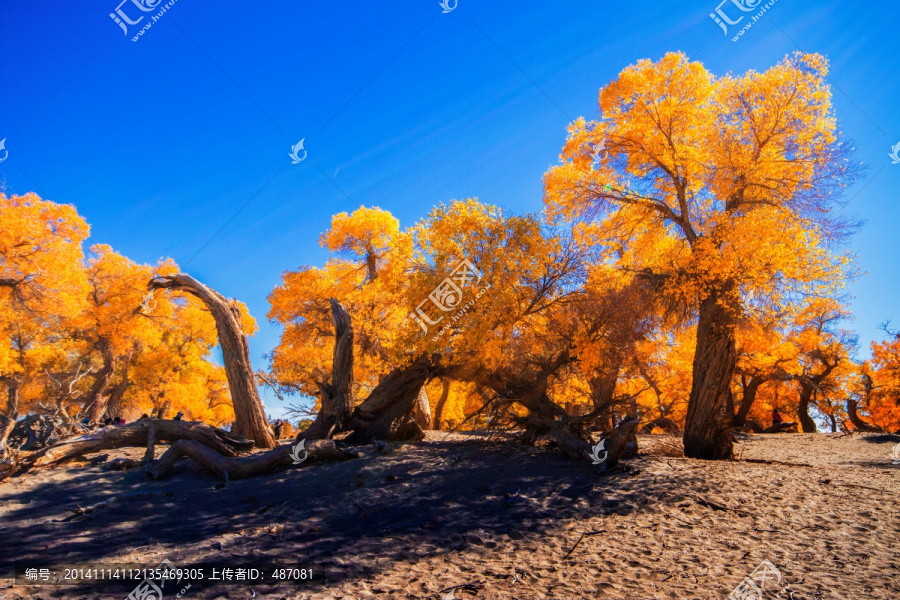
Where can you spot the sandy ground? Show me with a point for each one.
(509, 521)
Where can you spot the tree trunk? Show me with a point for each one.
(747, 401)
(706, 430)
(442, 401)
(423, 410)
(11, 414)
(603, 388)
(97, 396)
(806, 422)
(857, 421)
(383, 414)
(337, 396)
(250, 417)
(115, 398)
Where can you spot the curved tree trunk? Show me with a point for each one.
(857, 421)
(250, 417)
(706, 430)
(336, 397)
(423, 410)
(807, 423)
(97, 396)
(442, 401)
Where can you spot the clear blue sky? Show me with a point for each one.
(160, 142)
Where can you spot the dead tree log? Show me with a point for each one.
(852, 412)
(136, 434)
(337, 396)
(250, 417)
(227, 468)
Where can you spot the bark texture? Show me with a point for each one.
(97, 396)
(336, 397)
(250, 417)
(706, 431)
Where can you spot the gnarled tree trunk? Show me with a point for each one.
(336, 397)
(115, 398)
(97, 396)
(442, 401)
(664, 423)
(384, 414)
(706, 430)
(250, 417)
(852, 412)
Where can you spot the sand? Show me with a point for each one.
(497, 519)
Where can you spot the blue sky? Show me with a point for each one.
(177, 145)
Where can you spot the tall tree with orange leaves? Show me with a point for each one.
(40, 291)
(719, 187)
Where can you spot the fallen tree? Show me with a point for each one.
(250, 417)
(137, 434)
